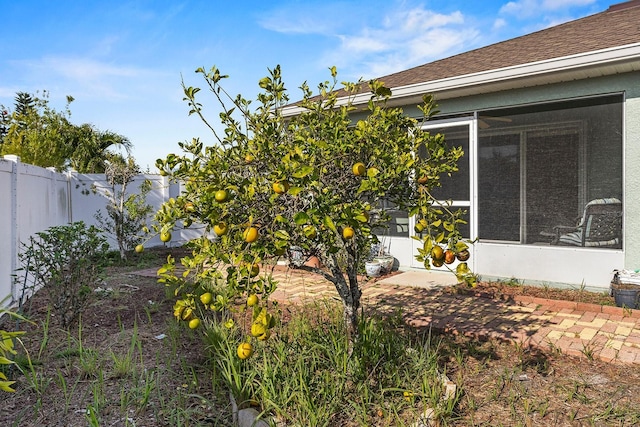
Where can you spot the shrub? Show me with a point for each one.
(7, 349)
(65, 261)
(126, 213)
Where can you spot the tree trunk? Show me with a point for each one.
(348, 289)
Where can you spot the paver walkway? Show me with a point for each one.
(576, 329)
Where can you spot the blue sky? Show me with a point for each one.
(123, 61)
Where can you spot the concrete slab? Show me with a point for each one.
(421, 279)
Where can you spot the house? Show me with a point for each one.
(550, 126)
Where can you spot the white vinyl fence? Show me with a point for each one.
(34, 199)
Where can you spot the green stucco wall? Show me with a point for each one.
(632, 177)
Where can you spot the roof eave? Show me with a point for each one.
(584, 65)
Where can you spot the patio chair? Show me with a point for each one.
(600, 226)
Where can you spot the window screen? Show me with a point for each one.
(539, 166)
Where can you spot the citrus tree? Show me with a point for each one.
(310, 183)
(127, 212)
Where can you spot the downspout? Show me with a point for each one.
(15, 237)
(69, 204)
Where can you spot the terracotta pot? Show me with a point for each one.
(313, 262)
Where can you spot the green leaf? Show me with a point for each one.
(328, 222)
(282, 235)
(301, 218)
(360, 218)
(440, 237)
(364, 186)
(5, 361)
(4, 385)
(264, 82)
(448, 226)
(294, 191)
(461, 246)
(303, 171)
(428, 244)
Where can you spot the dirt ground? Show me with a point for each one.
(168, 381)
(125, 358)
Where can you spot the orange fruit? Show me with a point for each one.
(252, 300)
(245, 350)
(139, 249)
(165, 236)
(359, 169)
(194, 323)
(221, 196)
(220, 229)
(423, 179)
(189, 207)
(250, 235)
(281, 187)
(348, 233)
(206, 298)
(254, 270)
(463, 255)
(437, 262)
(437, 254)
(310, 231)
(449, 256)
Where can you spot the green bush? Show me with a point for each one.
(65, 261)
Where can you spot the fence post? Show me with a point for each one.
(15, 236)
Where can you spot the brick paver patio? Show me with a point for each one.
(576, 329)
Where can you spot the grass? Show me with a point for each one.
(304, 375)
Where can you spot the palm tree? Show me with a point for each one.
(93, 148)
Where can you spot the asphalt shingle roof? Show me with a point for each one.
(617, 26)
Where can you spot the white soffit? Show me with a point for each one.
(620, 59)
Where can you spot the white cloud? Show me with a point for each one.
(419, 19)
(528, 8)
(499, 23)
(521, 8)
(363, 44)
(402, 39)
(393, 38)
(94, 78)
(303, 19)
(565, 4)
